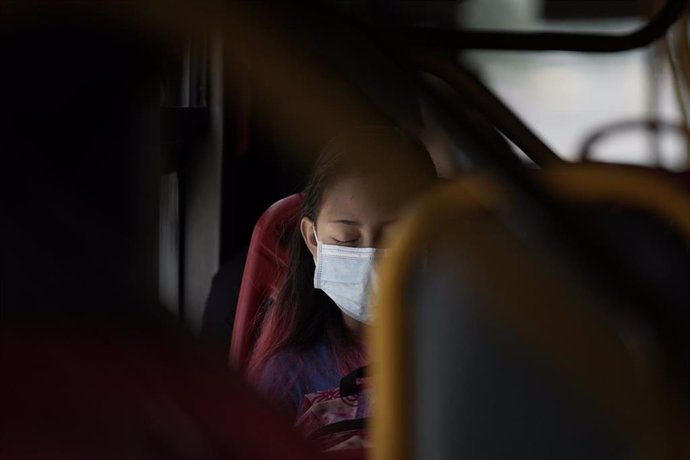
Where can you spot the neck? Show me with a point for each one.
(356, 327)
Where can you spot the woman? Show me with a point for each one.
(312, 334)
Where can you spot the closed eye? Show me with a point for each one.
(345, 242)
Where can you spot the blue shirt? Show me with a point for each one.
(291, 374)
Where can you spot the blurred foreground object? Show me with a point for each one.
(94, 395)
(493, 343)
(92, 367)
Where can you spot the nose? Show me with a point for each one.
(368, 241)
(373, 238)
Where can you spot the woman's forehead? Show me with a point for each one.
(362, 198)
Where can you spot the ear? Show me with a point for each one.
(306, 226)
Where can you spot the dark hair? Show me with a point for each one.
(301, 315)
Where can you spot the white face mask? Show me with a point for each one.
(347, 276)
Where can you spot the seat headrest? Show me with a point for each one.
(266, 259)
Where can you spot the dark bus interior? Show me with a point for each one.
(141, 141)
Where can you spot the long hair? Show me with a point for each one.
(301, 316)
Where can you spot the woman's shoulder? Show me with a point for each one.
(297, 360)
(293, 372)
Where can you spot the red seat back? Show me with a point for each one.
(266, 259)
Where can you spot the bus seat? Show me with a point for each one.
(489, 346)
(266, 258)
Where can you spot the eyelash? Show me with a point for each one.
(344, 242)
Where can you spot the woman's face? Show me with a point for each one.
(357, 212)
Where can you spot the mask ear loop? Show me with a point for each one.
(318, 243)
(315, 235)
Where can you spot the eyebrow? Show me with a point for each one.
(354, 222)
(345, 221)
